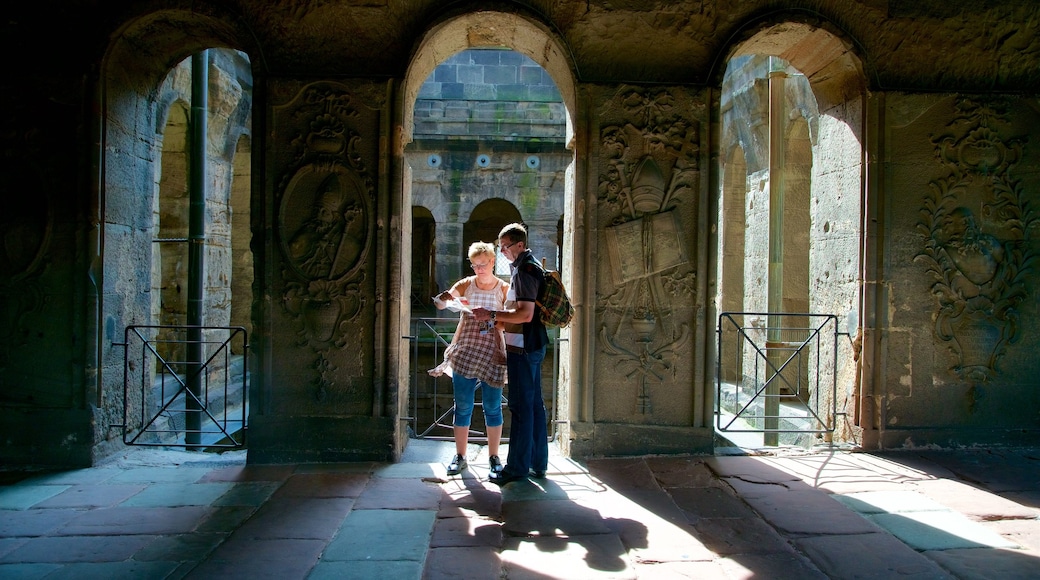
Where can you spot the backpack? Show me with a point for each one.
(553, 302)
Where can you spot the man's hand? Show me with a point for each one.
(482, 314)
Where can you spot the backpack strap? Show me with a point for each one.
(532, 266)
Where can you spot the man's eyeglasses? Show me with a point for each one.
(477, 266)
(509, 246)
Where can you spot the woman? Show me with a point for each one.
(477, 355)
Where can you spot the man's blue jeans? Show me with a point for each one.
(528, 434)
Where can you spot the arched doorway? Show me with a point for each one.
(791, 216)
(186, 228)
(494, 35)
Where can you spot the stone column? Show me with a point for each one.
(323, 392)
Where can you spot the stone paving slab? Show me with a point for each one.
(770, 565)
(384, 493)
(888, 502)
(577, 558)
(551, 518)
(943, 530)
(973, 502)
(192, 547)
(652, 531)
(77, 549)
(160, 475)
(113, 570)
(274, 559)
(72, 477)
(672, 472)
(324, 485)
(380, 534)
(9, 544)
(29, 571)
(809, 513)
(249, 473)
(250, 493)
(178, 494)
(30, 523)
(734, 536)
(407, 570)
(708, 502)
(297, 518)
(874, 555)
(470, 496)
(92, 496)
(225, 519)
(1025, 533)
(466, 530)
(23, 497)
(989, 564)
(463, 562)
(128, 521)
(659, 506)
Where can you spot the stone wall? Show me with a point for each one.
(489, 125)
(925, 145)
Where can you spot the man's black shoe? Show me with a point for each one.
(503, 477)
(538, 474)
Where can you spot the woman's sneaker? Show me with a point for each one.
(496, 465)
(458, 465)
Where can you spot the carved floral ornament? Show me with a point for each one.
(650, 162)
(324, 220)
(976, 231)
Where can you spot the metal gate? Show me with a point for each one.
(185, 386)
(777, 373)
(432, 403)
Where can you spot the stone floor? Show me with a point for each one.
(791, 513)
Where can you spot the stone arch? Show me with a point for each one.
(821, 134)
(484, 222)
(488, 29)
(826, 55)
(140, 90)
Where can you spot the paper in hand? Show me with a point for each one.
(446, 301)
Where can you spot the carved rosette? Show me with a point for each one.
(649, 168)
(324, 220)
(976, 230)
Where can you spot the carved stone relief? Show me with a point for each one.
(324, 225)
(976, 228)
(649, 164)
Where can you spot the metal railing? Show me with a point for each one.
(173, 402)
(432, 404)
(777, 372)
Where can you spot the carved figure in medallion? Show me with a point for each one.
(316, 246)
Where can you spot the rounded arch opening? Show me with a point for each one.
(792, 100)
(474, 186)
(488, 30)
(144, 94)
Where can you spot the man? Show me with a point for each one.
(526, 340)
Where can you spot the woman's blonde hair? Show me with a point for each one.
(481, 248)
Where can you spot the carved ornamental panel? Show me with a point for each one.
(649, 177)
(324, 229)
(975, 227)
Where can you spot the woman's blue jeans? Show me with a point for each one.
(465, 390)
